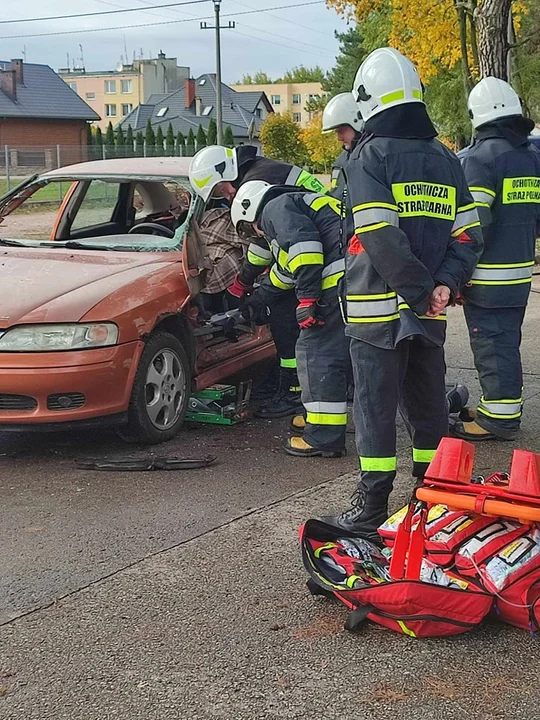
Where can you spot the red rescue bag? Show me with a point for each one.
(356, 572)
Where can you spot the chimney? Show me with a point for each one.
(8, 83)
(161, 55)
(189, 92)
(198, 106)
(17, 65)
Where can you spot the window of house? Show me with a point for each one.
(297, 117)
(207, 110)
(161, 112)
(276, 100)
(110, 87)
(73, 86)
(314, 97)
(296, 98)
(110, 110)
(126, 109)
(90, 96)
(126, 86)
(258, 112)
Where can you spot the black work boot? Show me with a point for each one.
(287, 399)
(362, 519)
(457, 397)
(267, 388)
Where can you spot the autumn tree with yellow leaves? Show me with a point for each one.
(322, 149)
(440, 34)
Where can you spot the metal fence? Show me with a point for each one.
(18, 162)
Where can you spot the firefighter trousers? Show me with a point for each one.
(410, 378)
(323, 359)
(495, 335)
(284, 327)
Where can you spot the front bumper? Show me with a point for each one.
(104, 376)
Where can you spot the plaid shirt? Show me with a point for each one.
(225, 250)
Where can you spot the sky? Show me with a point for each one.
(272, 41)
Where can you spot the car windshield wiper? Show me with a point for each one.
(75, 245)
(14, 243)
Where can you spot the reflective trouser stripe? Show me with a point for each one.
(502, 274)
(501, 409)
(378, 464)
(423, 456)
(326, 413)
(257, 255)
(326, 418)
(483, 197)
(288, 363)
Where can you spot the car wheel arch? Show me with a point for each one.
(178, 325)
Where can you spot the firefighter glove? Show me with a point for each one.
(306, 313)
(254, 309)
(238, 288)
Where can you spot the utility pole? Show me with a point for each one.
(217, 27)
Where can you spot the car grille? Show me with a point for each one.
(17, 402)
(65, 401)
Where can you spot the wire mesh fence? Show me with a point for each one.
(19, 162)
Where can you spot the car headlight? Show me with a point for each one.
(51, 338)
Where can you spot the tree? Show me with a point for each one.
(437, 34)
(139, 144)
(190, 143)
(322, 149)
(281, 139)
(212, 132)
(303, 74)
(169, 142)
(261, 78)
(351, 54)
(90, 142)
(98, 144)
(120, 142)
(129, 142)
(159, 142)
(109, 141)
(150, 140)
(201, 138)
(228, 137)
(180, 144)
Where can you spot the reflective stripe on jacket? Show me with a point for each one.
(303, 231)
(416, 226)
(274, 172)
(505, 183)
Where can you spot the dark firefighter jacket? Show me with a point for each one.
(303, 233)
(254, 167)
(416, 226)
(503, 173)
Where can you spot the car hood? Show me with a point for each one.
(63, 285)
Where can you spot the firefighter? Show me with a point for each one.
(218, 172)
(342, 116)
(303, 230)
(417, 240)
(503, 173)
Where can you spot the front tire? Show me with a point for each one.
(160, 393)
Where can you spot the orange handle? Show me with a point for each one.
(495, 508)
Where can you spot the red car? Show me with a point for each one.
(98, 319)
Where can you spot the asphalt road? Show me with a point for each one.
(187, 592)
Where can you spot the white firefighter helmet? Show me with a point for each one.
(210, 166)
(342, 110)
(492, 99)
(385, 79)
(247, 201)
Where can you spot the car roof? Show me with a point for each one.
(158, 169)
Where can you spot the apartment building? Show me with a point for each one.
(113, 94)
(288, 97)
